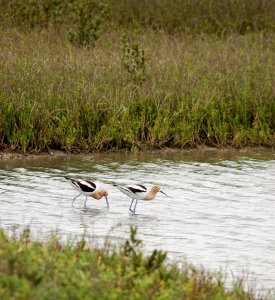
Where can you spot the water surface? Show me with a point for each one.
(222, 215)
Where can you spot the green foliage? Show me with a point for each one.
(55, 270)
(34, 14)
(89, 18)
(190, 16)
(134, 61)
(188, 90)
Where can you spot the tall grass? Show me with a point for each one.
(136, 85)
(192, 16)
(196, 16)
(55, 270)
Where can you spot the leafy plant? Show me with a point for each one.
(89, 19)
(134, 61)
(78, 270)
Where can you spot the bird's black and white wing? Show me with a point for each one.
(138, 188)
(84, 186)
(133, 191)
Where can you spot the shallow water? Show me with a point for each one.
(222, 215)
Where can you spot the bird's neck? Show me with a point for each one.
(96, 195)
(150, 195)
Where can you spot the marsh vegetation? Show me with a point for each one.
(78, 270)
(86, 75)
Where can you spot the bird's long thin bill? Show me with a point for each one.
(165, 194)
(107, 202)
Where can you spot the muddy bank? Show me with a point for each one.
(55, 154)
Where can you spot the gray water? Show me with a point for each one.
(222, 215)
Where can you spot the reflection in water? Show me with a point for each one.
(222, 213)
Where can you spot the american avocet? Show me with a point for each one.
(139, 192)
(88, 188)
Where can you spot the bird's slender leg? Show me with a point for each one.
(85, 202)
(130, 208)
(74, 199)
(135, 206)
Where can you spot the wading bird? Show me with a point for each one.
(139, 192)
(88, 188)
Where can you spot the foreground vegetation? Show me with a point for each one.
(54, 270)
(82, 75)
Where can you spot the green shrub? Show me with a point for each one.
(77, 270)
(89, 19)
(134, 61)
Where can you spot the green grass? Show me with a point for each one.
(70, 270)
(143, 80)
